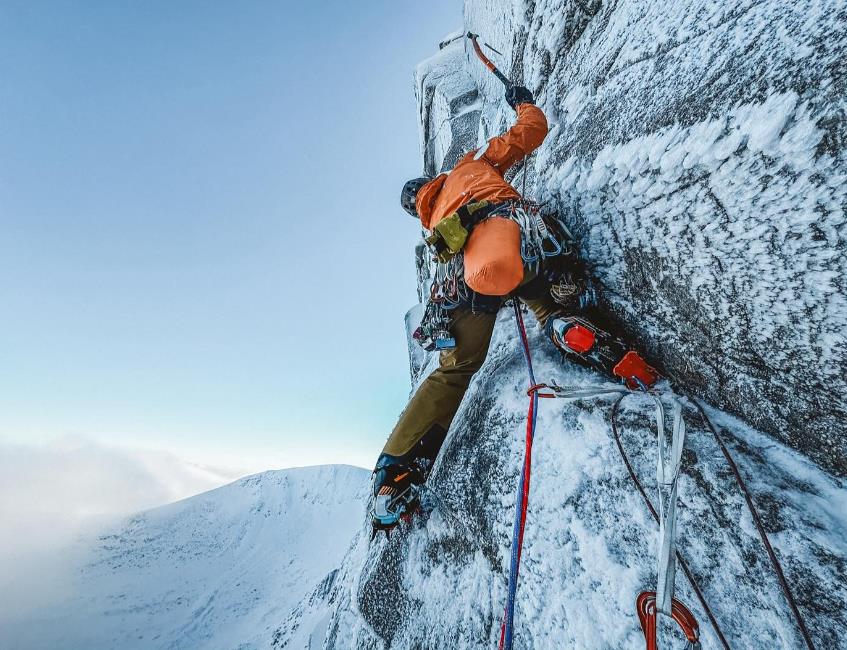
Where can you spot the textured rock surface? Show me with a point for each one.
(698, 151)
(590, 543)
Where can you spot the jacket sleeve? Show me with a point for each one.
(525, 136)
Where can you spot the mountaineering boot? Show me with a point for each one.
(397, 488)
(579, 339)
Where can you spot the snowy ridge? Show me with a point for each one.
(218, 570)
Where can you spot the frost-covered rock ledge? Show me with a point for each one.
(698, 151)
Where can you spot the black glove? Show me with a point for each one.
(518, 95)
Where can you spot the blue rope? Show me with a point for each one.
(508, 623)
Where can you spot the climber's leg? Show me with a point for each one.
(587, 337)
(535, 294)
(423, 425)
(413, 445)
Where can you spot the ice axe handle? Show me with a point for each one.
(488, 64)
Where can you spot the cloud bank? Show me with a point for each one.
(50, 495)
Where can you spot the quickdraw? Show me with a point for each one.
(447, 291)
(683, 565)
(537, 242)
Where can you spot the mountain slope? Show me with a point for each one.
(214, 571)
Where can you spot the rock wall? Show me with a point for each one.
(590, 544)
(697, 149)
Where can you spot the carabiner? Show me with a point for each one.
(526, 258)
(558, 249)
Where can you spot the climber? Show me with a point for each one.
(470, 212)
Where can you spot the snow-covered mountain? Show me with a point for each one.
(218, 570)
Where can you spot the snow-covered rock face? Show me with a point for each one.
(590, 543)
(697, 150)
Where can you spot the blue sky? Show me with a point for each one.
(201, 247)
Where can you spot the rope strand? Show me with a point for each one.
(682, 563)
(506, 629)
(754, 513)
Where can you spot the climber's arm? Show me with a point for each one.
(522, 139)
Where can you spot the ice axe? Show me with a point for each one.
(488, 64)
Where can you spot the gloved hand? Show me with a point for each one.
(518, 95)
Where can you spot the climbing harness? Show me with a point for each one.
(542, 237)
(451, 233)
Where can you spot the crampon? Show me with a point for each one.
(390, 511)
(397, 492)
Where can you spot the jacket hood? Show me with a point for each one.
(425, 199)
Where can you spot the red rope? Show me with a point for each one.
(536, 388)
(522, 499)
(527, 461)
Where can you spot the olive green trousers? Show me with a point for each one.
(437, 399)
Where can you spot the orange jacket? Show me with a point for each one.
(479, 175)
